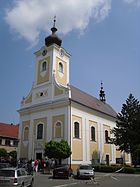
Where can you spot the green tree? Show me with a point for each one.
(128, 126)
(138, 127)
(13, 154)
(137, 155)
(64, 149)
(51, 149)
(57, 150)
(3, 152)
(95, 158)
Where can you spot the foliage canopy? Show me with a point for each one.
(127, 130)
(3, 152)
(13, 154)
(57, 150)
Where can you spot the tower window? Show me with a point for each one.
(76, 130)
(44, 66)
(93, 133)
(61, 68)
(40, 131)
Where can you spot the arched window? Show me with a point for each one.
(40, 131)
(44, 66)
(58, 127)
(61, 68)
(76, 130)
(26, 133)
(93, 133)
(106, 136)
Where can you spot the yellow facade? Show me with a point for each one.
(93, 144)
(37, 122)
(107, 146)
(24, 151)
(118, 153)
(77, 149)
(61, 77)
(55, 119)
(25, 144)
(45, 77)
(126, 157)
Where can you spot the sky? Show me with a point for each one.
(102, 36)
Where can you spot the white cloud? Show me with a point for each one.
(30, 18)
(134, 2)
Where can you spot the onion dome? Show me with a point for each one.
(53, 38)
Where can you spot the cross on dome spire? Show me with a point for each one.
(102, 94)
(54, 20)
(53, 38)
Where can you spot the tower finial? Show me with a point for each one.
(102, 94)
(54, 20)
(53, 38)
(54, 29)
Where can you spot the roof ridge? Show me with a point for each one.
(90, 101)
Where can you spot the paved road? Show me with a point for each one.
(101, 180)
(118, 180)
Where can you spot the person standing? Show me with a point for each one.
(36, 165)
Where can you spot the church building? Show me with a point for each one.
(54, 109)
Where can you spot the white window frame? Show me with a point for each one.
(61, 129)
(91, 133)
(24, 133)
(37, 131)
(79, 130)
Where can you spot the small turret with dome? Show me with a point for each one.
(53, 38)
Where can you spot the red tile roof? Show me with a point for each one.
(8, 130)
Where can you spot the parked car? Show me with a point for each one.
(85, 171)
(4, 165)
(61, 172)
(15, 177)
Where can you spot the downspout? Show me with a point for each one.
(70, 129)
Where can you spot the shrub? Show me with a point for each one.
(129, 170)
(115, 168)
(108, 169)
(137, 170)
(3, 152)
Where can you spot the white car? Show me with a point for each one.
(85, 171)
(10, 177)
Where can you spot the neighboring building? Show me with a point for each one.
(56, 110)
(9, 136)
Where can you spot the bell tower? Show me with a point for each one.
(51, 71)
(52, 61)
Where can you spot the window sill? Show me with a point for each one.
(76, 138)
